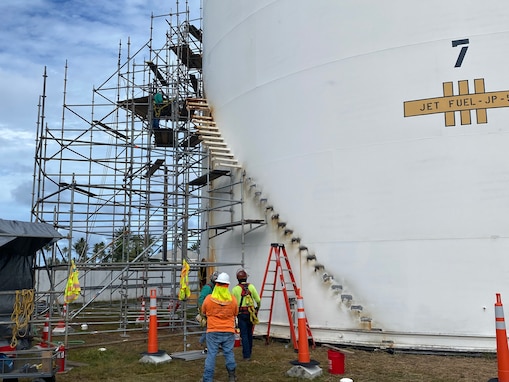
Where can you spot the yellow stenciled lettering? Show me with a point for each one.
(480, 101)
(465, 102)
(491, 99)
(429, 106)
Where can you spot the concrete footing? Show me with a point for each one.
(300, 371)
(159, 357)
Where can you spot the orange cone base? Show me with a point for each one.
(306, 372)
(311, 362)
(503, 376)
(158, 357)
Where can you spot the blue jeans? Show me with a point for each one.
(246, 334)
(214, 341)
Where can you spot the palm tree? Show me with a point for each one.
(65, 251)
(98, 251)
(128, 247)
(195, 247)
(81, 248)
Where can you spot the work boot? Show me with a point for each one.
(231, 376)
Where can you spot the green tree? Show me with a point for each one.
(195, 247)
(127, 247)
(63, 252)
(98, 252)
(81, 248)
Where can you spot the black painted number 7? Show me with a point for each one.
(463, 51)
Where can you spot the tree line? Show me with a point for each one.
(123, 248)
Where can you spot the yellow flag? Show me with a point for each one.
(72, 289)
(184, 292)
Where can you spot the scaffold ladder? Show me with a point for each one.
(279, 277)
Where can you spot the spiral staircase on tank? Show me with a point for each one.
(221, 157)
(209, 134)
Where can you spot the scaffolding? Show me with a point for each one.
(128, 173)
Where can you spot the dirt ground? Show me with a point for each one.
(114, 358)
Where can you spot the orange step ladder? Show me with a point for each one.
(279, 277)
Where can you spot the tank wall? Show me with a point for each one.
(409, 213)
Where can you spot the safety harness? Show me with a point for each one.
(249, 308)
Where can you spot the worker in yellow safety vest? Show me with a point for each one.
(249, 304)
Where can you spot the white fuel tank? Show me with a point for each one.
(380, 131)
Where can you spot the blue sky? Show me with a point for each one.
(39, 33)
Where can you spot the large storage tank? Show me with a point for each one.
(380, 131)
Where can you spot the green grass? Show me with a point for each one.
(121, 362)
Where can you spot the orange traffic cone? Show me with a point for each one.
(141, 317)
(153, 354)
(45, 333)
(303, 334)
(152, 324)
(502, 348)
(60, 328)
(303, 358)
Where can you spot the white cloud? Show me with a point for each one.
(48, 33)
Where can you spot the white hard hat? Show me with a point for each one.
(223, 278)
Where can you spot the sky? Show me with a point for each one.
(35, 34)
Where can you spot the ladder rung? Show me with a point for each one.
(278, 256)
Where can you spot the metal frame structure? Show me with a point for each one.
(117, 173)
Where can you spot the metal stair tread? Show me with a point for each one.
(226, 160)
(209, 132)
(212, 143)
(229, 165)
(223, 153)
